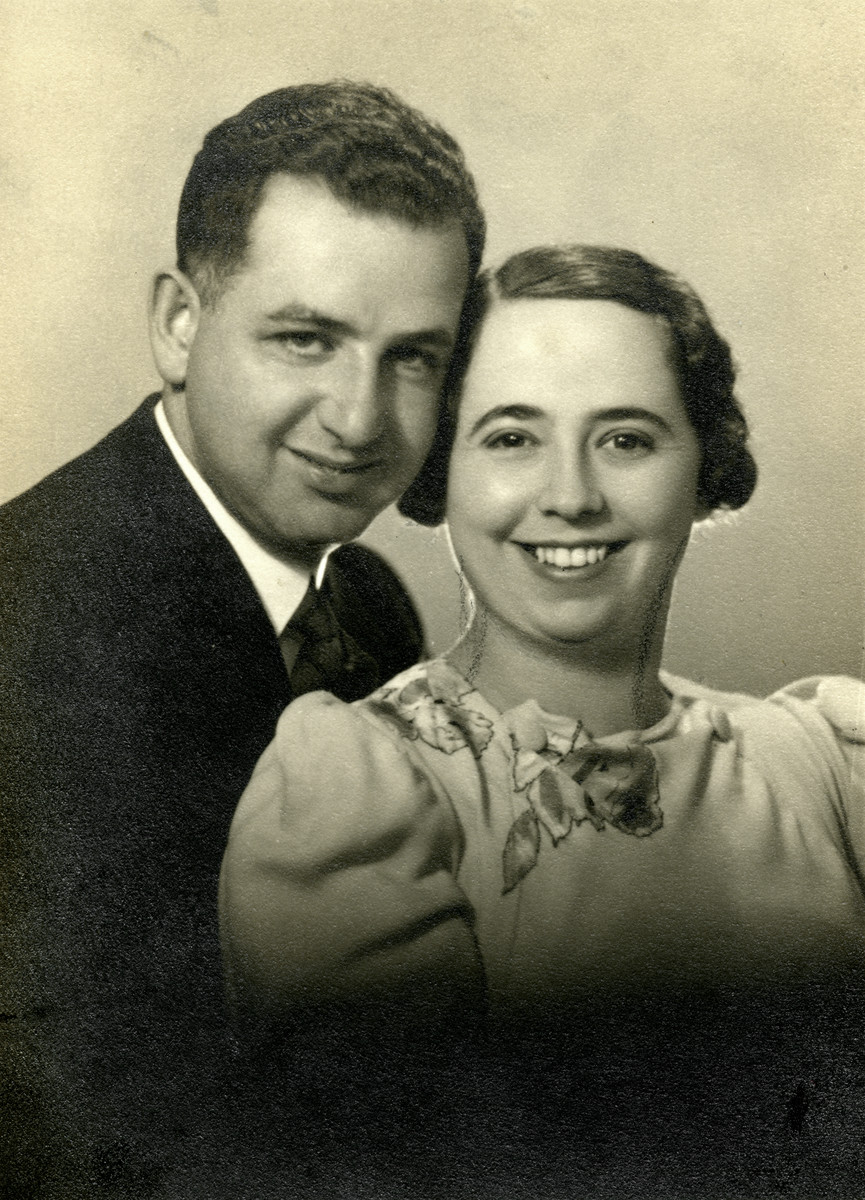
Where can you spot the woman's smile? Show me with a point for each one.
(567, 559)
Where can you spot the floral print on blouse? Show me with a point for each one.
(566, 776)
(422, 832)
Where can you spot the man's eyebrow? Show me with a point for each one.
(517, 412)
(302, 312)
(439, 336)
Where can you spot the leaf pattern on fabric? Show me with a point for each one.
(553, 810)
(526, 766)
(384, 706)
(539, 740)
(565, 777)
(521, 849)
(568, 778)
(430, 707)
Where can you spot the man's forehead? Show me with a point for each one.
(287, 197)
(311, 258)
(301, 228)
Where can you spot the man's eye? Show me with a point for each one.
(416, 360)
(304, 342)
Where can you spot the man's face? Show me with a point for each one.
(313, 382)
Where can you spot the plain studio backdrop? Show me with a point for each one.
(720, 140)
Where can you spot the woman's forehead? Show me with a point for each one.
(538, 348)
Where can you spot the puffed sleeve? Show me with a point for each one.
(338, 882)
(836, 704)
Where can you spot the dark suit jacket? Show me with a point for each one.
(141, 681)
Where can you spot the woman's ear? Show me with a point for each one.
(174, 314)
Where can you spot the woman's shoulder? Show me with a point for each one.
(432, 705)
(837, 701)
(812, 725)
(328, 756)
(429, 704)
(806, 741)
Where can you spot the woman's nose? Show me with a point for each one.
(572, 488)
(354, 407)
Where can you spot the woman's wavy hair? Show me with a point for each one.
(700, 357)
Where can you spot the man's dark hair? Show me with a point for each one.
(371, 150)
(701, 360)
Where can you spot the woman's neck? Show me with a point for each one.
(608, 692)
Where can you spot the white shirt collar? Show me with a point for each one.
(280, 586)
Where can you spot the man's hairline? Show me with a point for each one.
(211, 291)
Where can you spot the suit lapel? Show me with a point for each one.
(188, 571)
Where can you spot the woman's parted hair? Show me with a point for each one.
(701, 360)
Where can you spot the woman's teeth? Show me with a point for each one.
(578, 556)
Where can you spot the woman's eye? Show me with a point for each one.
(634, 444)
(509, 439)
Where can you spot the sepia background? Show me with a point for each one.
(722, 141)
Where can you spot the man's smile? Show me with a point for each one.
(336, 466)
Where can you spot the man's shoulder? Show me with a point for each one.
(86, 484)
(374, 606)
(364, 568)
(115, 520)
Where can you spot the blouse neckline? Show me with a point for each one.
(566, 726)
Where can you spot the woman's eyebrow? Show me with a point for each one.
(632, 414)
(517, 412)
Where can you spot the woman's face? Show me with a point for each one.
(573, 478)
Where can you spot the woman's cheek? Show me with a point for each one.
(503, 501)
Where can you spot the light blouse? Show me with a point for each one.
(420, 839)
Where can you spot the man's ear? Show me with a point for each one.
(174, 314)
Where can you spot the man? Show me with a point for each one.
(325, 239)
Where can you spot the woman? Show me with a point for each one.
(542, 827)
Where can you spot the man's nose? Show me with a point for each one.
(571, 487)
(354, 410)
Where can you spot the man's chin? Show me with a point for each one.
(307, 522)
(306, 549)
